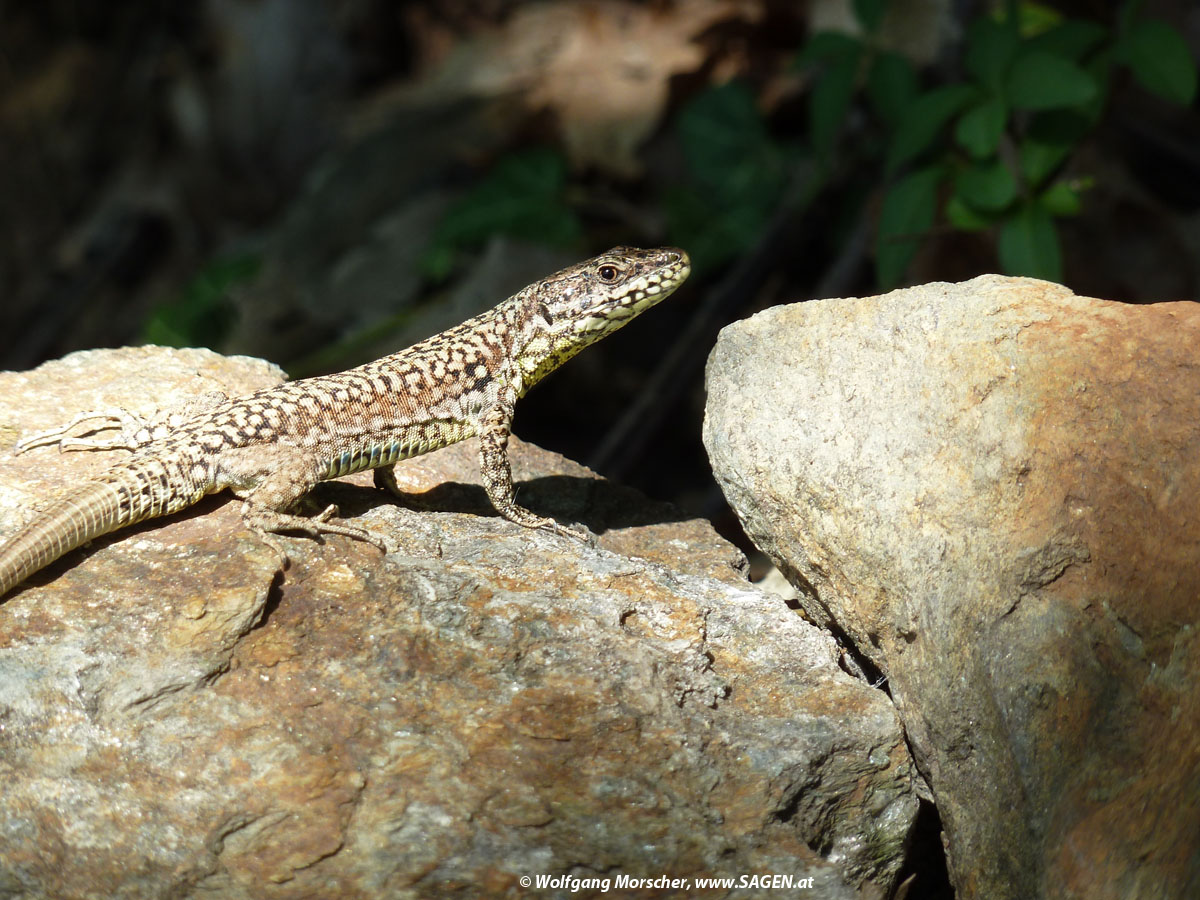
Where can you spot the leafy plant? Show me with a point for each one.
(204, 314)
(736, 170)
(989, 152)
(523, 196)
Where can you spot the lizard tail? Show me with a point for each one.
(127, 494)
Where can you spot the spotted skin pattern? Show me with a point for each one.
(271, 447)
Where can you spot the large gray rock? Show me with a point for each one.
(991, 489)
(482, 704)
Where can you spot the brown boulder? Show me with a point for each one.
(480, 705)
(993, 490)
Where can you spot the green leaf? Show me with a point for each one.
(204, 314)
(906, 214)
(717, 128)
(892, 86)
(712, 234)
(826, 46)
(964, 217)
(524, 196)
(1035, 18)
(1063, 198)
(926, 116)
(980, 128)
(437, 262)
(1126, 13)
(1072, 39)
(1040, 159)
(1028, 244)
(830, 101)
(737, 173)
(1160, 60)
(1064, 127)
(1041, 80)
(986, 186)
(727, 147)
(991, 47)
(1100, 68)
(869, 14)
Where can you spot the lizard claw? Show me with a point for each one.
(578, 532)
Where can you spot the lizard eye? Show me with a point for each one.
(608, 274)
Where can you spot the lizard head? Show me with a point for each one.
(581, 304)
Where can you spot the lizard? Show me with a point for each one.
(271, 447)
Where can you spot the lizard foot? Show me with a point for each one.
(578, 532)
(133, 430)
(127, 424)
(522, 516)
(262, 521)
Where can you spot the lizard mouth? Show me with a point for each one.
(642, 292)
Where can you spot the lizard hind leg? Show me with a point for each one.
(270, 479)
(263, 521)
(132, 430)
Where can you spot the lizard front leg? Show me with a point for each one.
(385, 480)
(494, 430)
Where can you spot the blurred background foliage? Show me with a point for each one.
(321, 182)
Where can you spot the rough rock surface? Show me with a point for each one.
(993, 490)
(484, 703)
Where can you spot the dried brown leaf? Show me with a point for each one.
(602, 67)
